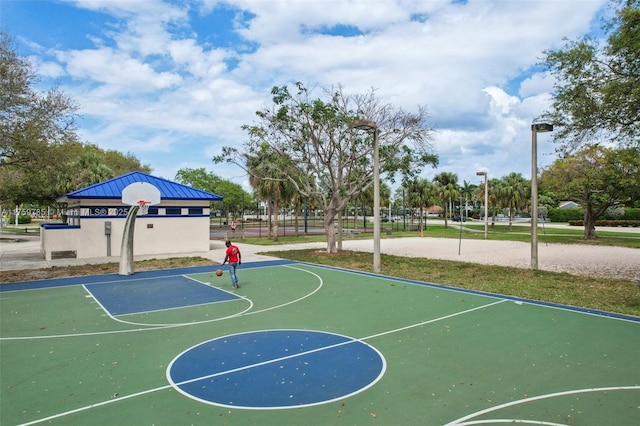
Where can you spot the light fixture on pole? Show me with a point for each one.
(535, 129)
(371, 125)
(486, 204)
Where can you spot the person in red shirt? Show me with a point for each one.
(233, 256)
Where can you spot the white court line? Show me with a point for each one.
(513, 421)
(443, 287)
(98, 404)
(348, 341)
(295, 300)
(165, 326)
(433, 320)
(462, 421)
(77, 410)
(115, 318)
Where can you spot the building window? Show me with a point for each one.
(173, 211)
(195, 211)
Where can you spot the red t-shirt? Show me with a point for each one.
(232, 252)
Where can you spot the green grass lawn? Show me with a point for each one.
(619, 296)
(475, 231)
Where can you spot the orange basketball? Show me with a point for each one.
(219, 272)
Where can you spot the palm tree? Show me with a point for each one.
(296, 204)
(420, 194)
(84, 171)
(266, 178)
(494, 188)
(467, 193)
(447, 189)
(513, 193)
(364, 201)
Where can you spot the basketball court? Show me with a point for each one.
(303, 344)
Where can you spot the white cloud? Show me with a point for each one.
(154, 85)
(117, 70)
(536, 84)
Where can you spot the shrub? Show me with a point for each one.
(631, 214)
(614, 212)
(565, 215)
(22, 219)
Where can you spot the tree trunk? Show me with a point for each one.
(339, 218)
(511, 211)
(446, 224)
(275, 219)
(296, 222)
(329, 214)
(355, 217)
(269, 209)
(589, 223)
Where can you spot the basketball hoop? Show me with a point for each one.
(144, 207)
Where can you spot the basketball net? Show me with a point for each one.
(144, 207)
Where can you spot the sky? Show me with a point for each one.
(172, 82)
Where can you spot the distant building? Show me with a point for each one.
(96, 218)
(568, 205)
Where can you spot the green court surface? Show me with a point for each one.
(449, 357)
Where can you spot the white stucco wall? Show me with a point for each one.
(153, 235)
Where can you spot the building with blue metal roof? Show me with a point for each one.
(96, 215)
(112, 189)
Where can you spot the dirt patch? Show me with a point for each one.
(103, 268)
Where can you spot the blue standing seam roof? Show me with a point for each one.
(112, 189)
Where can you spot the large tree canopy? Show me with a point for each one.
(597, 89)
(41, 156)
(596, 178)
(235, 198)
(309, 142)
(29, 120)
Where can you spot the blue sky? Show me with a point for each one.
(173, 81)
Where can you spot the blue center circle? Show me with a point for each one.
(276, 369)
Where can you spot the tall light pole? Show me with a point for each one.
(486, 204)
(535, 129)
(371, 125)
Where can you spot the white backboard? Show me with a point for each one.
(137, 191)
